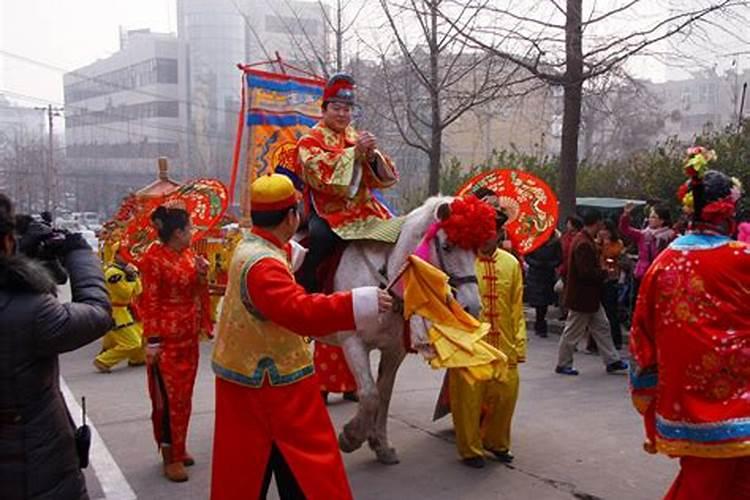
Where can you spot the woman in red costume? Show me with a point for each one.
(173, 306)
(690, 343)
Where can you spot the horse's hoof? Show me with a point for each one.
(387, 456)
(346, 445)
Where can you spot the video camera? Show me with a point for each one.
(44, 243)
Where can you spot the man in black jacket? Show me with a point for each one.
(38, 456)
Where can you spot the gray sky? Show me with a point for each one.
(67, 34)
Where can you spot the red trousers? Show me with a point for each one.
(170, 385)
(711, 479)
(293, 417)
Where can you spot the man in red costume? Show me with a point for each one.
(340, 167)
(690, 343)
(270, 418)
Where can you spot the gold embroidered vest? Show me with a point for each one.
(248, 347)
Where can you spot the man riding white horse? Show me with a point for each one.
(339, 167)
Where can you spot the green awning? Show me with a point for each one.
(606, 203)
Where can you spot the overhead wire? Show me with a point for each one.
(124, 120)
(99, 79)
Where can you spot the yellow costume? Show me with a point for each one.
(125, 340)
(501, 289)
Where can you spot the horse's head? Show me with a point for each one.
(422, 230)
(458, 263)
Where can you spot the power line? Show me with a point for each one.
(179, 130)
(78, 74)
(104, 127)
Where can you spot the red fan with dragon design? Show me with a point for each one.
(529, 203)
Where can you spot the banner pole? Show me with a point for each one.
(248, 175)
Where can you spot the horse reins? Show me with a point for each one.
(453, 280)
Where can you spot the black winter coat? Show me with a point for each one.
(541, 277)
(37, 449)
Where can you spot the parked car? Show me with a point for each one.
(90, 238)
(88, 220)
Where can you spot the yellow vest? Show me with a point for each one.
(248, 347)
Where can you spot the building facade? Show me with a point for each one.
(704, 103)
(121, 114)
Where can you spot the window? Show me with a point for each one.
(292, 25)
(157, 70)
(143, 149)
(124, 113)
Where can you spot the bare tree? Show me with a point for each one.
(311, 49)
(547, 39)
(20, 173)
(619, 116)
(340, 26)
(430, 77)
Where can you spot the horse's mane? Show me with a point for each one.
(415, 226)
(423, 215)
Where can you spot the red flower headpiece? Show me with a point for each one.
(471, 223)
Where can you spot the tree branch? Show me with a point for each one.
(402, 44)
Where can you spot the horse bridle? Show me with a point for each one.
(453, 280)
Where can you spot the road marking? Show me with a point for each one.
(110, 477)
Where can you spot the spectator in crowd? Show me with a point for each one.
(38, 457)
(743, 228)
(611, 249)
(651, 240)
(583, 298)
(573, 225)
(540, 280)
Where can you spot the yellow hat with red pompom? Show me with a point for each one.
(272, 192)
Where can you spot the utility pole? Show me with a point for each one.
(51, 177)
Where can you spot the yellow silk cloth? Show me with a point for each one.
(455, 334)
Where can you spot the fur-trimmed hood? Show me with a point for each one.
(23, 275)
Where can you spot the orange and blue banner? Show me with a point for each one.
(278, 109)
(281, 108)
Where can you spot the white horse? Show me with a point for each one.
(367, 263)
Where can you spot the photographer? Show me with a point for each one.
(38, 457)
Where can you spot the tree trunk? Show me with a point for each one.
(339, 38)
(436, 132)
(436, 145)
(573, 91)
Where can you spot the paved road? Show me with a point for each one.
(574, 437)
